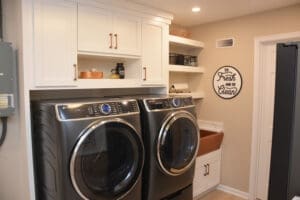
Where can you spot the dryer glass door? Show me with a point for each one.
(178, 143)
(107, 160)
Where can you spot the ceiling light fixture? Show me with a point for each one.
(196, 9)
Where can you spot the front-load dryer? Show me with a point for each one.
(87, 149)
(171, 140)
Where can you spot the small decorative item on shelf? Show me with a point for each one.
(172, 58)
(120, 70)
(194, 61)
(187, 60)
(180, 59)
(179, 31)
(92, 74)
(179, 88)
(114, 74)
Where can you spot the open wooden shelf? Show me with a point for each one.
(195, 95)
(185, 42)
(185, 69)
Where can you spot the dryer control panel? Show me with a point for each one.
(168, 103)
(71, 111)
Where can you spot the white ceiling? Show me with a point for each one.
(213, 10)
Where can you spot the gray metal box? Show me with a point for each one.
(8, 80)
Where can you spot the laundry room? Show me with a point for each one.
(149, 100)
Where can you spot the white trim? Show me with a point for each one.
(259, 42)
(233, 191)
(211, 126)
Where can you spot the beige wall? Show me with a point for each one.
(13, 185)
(237, 113)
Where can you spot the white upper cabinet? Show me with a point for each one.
(154, 53)
(95, 32)
(74, 36)
(55, 43)
(127, 35)
(101, 31)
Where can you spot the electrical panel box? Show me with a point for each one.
(8, 80)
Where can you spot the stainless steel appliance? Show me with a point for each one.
(171, 139)
(87, 149)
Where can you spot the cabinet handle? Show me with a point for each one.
(208, 169)
(205, 173)
(116, 36)
(75, 72)
(145, 73)
(111, 38)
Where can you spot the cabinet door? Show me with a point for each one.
(55, 42)
(214, 173)
(127, 35)
(153, 53)
(200, 179)
(95, 30)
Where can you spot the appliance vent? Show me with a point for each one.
(225, 43)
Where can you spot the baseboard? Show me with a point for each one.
(233, 191)
(199, 196)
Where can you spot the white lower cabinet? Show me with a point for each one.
(207, 172)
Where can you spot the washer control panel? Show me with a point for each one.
(98, 109)
(168, 103)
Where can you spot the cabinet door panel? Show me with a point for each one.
(200, 180)
(127, 35)
(214, 173)
(55, 39)
(94, 29)
(152, 53)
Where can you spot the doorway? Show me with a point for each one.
(263, 111)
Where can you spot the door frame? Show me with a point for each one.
(258, 100)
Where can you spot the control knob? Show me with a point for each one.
(105, 109)
(176, 102)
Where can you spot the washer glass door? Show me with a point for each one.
(178, 143)
(107, 160)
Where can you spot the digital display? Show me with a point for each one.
(158, 104)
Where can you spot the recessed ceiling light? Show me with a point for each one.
(196, 9)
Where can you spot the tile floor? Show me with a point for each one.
(219, 195)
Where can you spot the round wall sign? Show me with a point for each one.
(227, 82)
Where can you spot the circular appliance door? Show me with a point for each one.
(178, 143)
(107, 160)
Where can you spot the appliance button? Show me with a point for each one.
(105, 109)
(91, 110)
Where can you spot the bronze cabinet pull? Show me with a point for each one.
(111, 45)
(116, 37)
(75, 72)
(208, 169)
(145, 73)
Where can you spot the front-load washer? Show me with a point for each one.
(87, 149)
(171, 140)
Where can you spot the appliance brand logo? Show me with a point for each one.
(227, 82)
